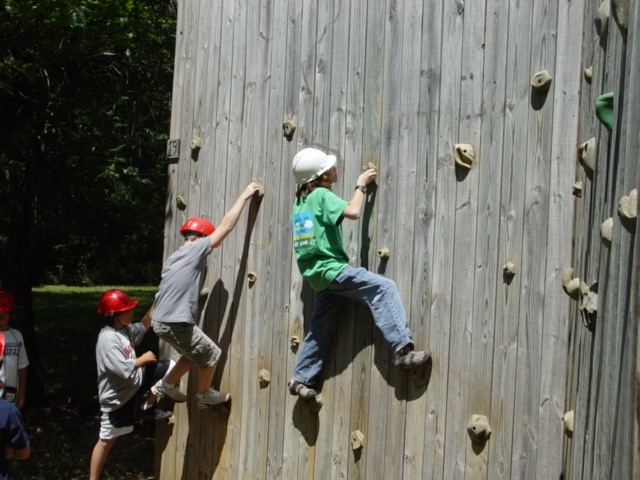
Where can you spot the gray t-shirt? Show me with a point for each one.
(118, 379)
(177, 297)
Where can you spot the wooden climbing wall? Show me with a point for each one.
(399, 84)
(602, 381)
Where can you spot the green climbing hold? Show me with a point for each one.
(604, 110)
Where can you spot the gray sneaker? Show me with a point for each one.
(300, 389)
(160, 389)
(408, 358)
(211, 397)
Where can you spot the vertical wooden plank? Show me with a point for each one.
(474, 348)
(199, 425)
(339, 73)
(450, 349)
(226, 175)
(358, 246)
(489, 233)
(285, 431)
(505, 409)
(424, 290)
(411, 392)
(300, 437)
(295, 308)
(368, 374)
(165, 452)
(391, 379)
(567, 80)
(626, 130)
(534, 244)
(178, 441)
(274, 246)
(608, 184)
(582, 440)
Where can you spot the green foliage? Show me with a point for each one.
(86, 88)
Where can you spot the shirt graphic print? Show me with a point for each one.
(303, 236)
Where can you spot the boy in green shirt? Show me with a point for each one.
(317, 216)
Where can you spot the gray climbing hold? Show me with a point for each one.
(587, 156)
(541, 81)
(464, 155)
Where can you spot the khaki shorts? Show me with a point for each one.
(189, 341)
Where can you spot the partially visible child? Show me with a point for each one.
(13, 373)
(122, 376)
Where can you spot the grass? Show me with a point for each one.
(64, 431)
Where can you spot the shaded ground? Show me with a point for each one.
(64, 431)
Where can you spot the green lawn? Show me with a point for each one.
(64, 431)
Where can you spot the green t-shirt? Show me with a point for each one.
(317, 237)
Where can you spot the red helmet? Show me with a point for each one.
(115, 301)
(7, 305)
(198, 226)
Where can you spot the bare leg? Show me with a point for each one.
(181, 367)
(205, 377)
(99, 457)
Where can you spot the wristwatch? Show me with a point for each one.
(362, 188)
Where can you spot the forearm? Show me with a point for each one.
(354, 207)
(146, 320)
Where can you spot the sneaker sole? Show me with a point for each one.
(179, 399)
(414, 365)
(203, 405)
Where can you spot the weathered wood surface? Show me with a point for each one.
(399, 84)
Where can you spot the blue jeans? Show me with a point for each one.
(377, 292)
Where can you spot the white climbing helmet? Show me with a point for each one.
(310, 163)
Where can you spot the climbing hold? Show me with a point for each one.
(294, 343)
(606, 231)
(383, 253)
(587, 156)
(478, 428)
(621, 14)
(464, 155)
(265, 378)
(288, 129)
(173, 148)
(370, 166)
(357, 440)
(604, 110)
(180, 202)
(628, 210)
(570, 285)
(196, 141)
(252, 277)
(628, 206)
(541, 81)
(601, 19)
(259, 191)
(509, 269)
(588, 74)
(577, 188)
(588, 304)
(204, 292)
(567, 421)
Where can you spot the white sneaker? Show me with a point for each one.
(211, 397)
(160, 389)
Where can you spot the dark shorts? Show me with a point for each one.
(128, 413)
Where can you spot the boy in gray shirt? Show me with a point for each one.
(176, 305)
(122, 375)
